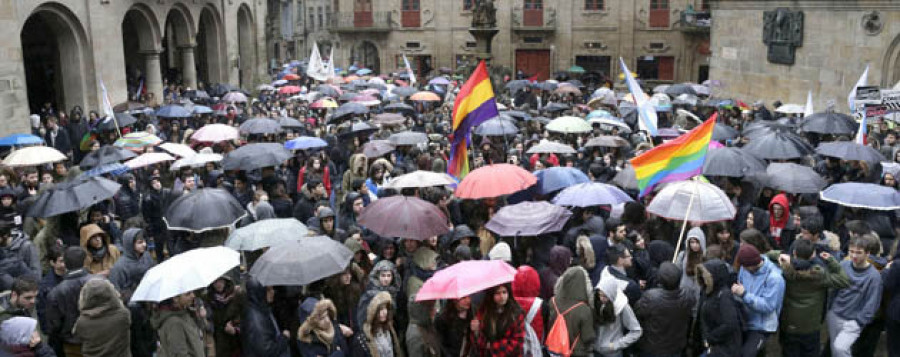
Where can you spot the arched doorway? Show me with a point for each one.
(57, 60)
(890, 70)
(178, 49)
(141, 45)
(209, 56)
(365, 55)
(246, 43)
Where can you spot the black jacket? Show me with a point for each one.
(62, 306)
(260, 336)
(664, 314)
(62, 143)
(720, 322)
(128, 202)
(891, 281)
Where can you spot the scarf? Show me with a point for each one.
(326, 336)
(99, 253)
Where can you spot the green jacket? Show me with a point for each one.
(805, 293)
(179, 335)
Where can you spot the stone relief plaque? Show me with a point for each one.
(783, 33)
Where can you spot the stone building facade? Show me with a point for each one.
(538, 37)
(61, 51)
(839, 39)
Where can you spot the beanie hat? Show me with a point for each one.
(501, 251)
(748, 256)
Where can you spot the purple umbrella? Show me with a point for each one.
(439, 81)
(528, 219)
(404, 217)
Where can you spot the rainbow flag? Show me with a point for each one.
(675, 160)
(474, 104)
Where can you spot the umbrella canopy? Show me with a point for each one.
(114, 169)
(377, 148)
(360, 129)
(20, 139)
(849, 150)
(33, 156)
(558, 178)
(260, 126)
(791, 178)
(120, 119)
(203, 210)
(863, 195)
(128, 106)
(301, 262)
(761, 128)
(610, 122)
(425, 96)
(528, 219)
(627, 178)
(791, 109)
(678, 89)
(389, 119)
(591, 194)
(710, 204)
(173, 111)
(517, 85)
(138, 140)
(496, 127)
(73, 195)
(724, 132)
(305, 143)
(419, 179)
(255, 156)
(266, 233)
(439, 81)
(483, 182)
(329, 90)
(516, 114)
(324, 103)
(148, 159)
(569, 125)
(188, 271)
(198, 160)
(234, 97)
(829, 123)
(291, 77)
(399, 107)
(551, 147)
(106, 155)
(178, 149)
(466, 278)
(556, 107)
(289, 90)
(408, 138)
(265, 87)
(567, 90)
(731, 162)
(404, 91)
(197, 95)
(778, 146)
(292, 123)
(214, 133)
(349, 109)
(608, 141)
(404, 217)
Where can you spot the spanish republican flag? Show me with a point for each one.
(676, 160)
(474, 104)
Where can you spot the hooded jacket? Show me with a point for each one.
(574, 287)
(664, 314)
(104, 325)
(364, 342)
(20, 246)
(62, 306)
(720, 323)
(421, 335)
(128, 202)
(686, 281)
(128, 271)
(358, 170)
(763, 296)
(625, 330)
(781, 231)
(225, 307)
(526, 287)
(260, 334)
(179, 334)
(92, 262)
(806, 287)
(560, 257)
(311, 339)
(423, 260)
(373, 287)
(15, 336)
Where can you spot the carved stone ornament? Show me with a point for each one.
(429, 17)
(484, 14)
(783, 33)
(872, 23)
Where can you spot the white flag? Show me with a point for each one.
(316, 69)
(107, 106)
(646, 111)
(412, 76)
(330, 66)
(863, 133)
(809, 105)
(862, 82)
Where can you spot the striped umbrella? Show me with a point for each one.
(138, 140)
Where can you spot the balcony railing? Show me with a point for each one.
(694, 22)
(534, 20)
(360, 22)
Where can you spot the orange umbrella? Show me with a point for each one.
(483, 182)
(351, 78)
(291, 77)
(426, 96)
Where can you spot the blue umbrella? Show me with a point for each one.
(305, 143)
(173, 111)
(363, 72)
(202, 109)
(20, 139)
(591, 194)
(114, 169)
(862, 195)
(558, 178)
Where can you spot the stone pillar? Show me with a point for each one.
(153, 75)
(188, 67)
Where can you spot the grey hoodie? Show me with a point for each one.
(131, 267)
(688, 282)
(21, 246)
(625, 330)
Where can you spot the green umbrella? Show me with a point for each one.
(576, 69)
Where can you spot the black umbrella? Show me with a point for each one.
(389, 119)
(221, 89)
(404, 91)
(556, 107)
(349, 109)
(376, 85)
(203, 210)
(348, 96)
(72, 196)
(791, 178)
(360, 128)
(292, 123)
(105, 155)
(760, 128)
(849, 150)
(408, 138)
(516, 85)
(260, 126)
(516, 114)
(731, 162)
(377, 148)
(497, 127)
(724, 132)
(197, 95)
(678, 89)
(545, 86)
(778, 146)
(254, 156)
(328, 90)
(399, 107)
(829, 123)
(122, 119)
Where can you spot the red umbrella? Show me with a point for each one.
(466, 278)
(404, 217)
(493, 181)
(289, 90)
(291, 77)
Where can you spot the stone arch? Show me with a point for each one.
(141, 43)
(246, 44)
(365, 54)
(210, 46)
(57, 59)
(178, 47)
(890, 70)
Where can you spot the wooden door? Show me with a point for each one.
(409, 14)
(534, 63)
(533, 13)
(362, 13)
(666, 68)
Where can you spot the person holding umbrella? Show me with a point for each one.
(499, 326)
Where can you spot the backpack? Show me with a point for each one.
(557, 343)
(532, 345)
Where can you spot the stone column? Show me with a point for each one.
(153, 75)
(188, 67)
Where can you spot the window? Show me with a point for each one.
(312, 19)
(327, 13)
(410, 5)
(597, 64)
(410, 16)
(593, 5)
(534, 4)
(656, 67)
(659, 13)
(468, 4)
(704, 5)
(321, 17)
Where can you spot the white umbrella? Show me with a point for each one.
(198, 160)
(791, 109)
(178, 149)
(33, 156)
(266, 233)
(418, 179)
(185, 272)
(148, 159)
(710, 203)
(551, 147)
(569, 125)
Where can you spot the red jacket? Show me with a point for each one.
(301, 179)
(525, 288)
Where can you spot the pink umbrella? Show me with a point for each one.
(214, 133)
(234, 97)
(466, 278)
(289, 90)
(715, 144)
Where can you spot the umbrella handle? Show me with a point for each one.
(685, 222)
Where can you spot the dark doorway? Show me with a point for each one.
(40, 54)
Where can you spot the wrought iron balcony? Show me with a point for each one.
(360, 22)
(694, 22)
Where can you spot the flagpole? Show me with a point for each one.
(685, 222)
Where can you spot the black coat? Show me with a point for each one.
(62, 306)
(260, 336)
(62, 143)
(720, 322)
(891, 281)
(317, 348)
(664, 314)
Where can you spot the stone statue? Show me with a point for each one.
(484, 14)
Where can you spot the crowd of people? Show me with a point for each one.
(789, 273)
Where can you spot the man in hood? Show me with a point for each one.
(760, 288)
(664, 312)
(128, 271)
(615, 323)
(719, 317)
(559, 260)
(260, 335)
(104, 325)
(572, 293)
(16, 243)
(101, 255)
(62, 304)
